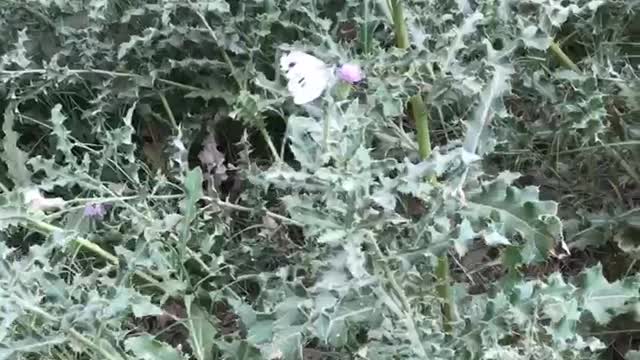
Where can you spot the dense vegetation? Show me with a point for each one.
(475, 197)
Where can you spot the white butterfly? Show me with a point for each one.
(307, 76)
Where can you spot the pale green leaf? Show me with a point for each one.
(63, 143)
(603, 299)
(240, 350)
(202, 331)
(533, 37)
(632, 355)
(494, 238)
(476, 140)
(465, 237)
(20, 54)
(332, 237)
(14, 157)
(518, 212)
(193, 185)
(11, 216)
(33, 345)
(260, 332)
(145, 347)
(141, 305)
(627, 236)
(305, 135)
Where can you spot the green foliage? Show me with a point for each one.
(201, 330)
(512, 212)
(147, 348)
(237, 225)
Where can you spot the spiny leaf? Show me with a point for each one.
(193, 185)
(305, 135)
(11, 216)
(533, 37)
(240, 349)
(13, 350)
(201, 330)
(20, 54)
(145, 347)
(14, 157)
(63, 143)
(121, 138)
(458, 35)
(604, 299)
(193, 188)
(476, 139)
(627, 236)
(513, 211)
(333, 325)
(465, 237)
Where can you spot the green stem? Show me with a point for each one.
(421, 117)
(365, 31)
(564, 59)
(399, 25)
(267, 139)
(445, 292)
(600, 146)
(325, 135)
(114, 74)
(271, 214)
(167, 108)
(241, 83)
(47, 228)
(90, 344)
(225, 56)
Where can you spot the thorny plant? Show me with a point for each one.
(154, 206)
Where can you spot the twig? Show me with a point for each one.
(16, 73)
(267, 139)
(241, 84)
(47, 228)
(564, 59)
(226, 57)
(237, 207)
(40, 16)
(167, 108)
(82, 339)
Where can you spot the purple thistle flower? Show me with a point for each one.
(95, 211)
(350, 73)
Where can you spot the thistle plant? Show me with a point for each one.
(467, 190)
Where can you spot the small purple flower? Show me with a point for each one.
(350, 73)
(95, 211)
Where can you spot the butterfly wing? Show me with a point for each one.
(307, 76)
(309, 86)
(297, 61)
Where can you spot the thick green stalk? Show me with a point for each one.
(564, 58)
(445, 292)
(365, 30)
(421, 117)
(399, 25)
